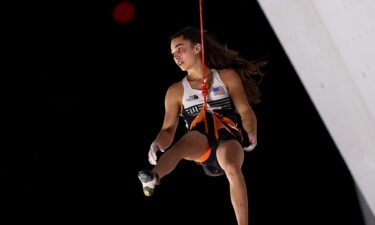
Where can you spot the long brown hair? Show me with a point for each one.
(218, 56)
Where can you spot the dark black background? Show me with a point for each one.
(89, 101)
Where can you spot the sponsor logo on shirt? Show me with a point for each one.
(192, 98)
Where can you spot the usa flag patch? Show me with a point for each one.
(218, 90)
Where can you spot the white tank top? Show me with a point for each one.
(218, 96)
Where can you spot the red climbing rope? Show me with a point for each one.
(204, 77)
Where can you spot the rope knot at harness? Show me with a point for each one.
(204, 86)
